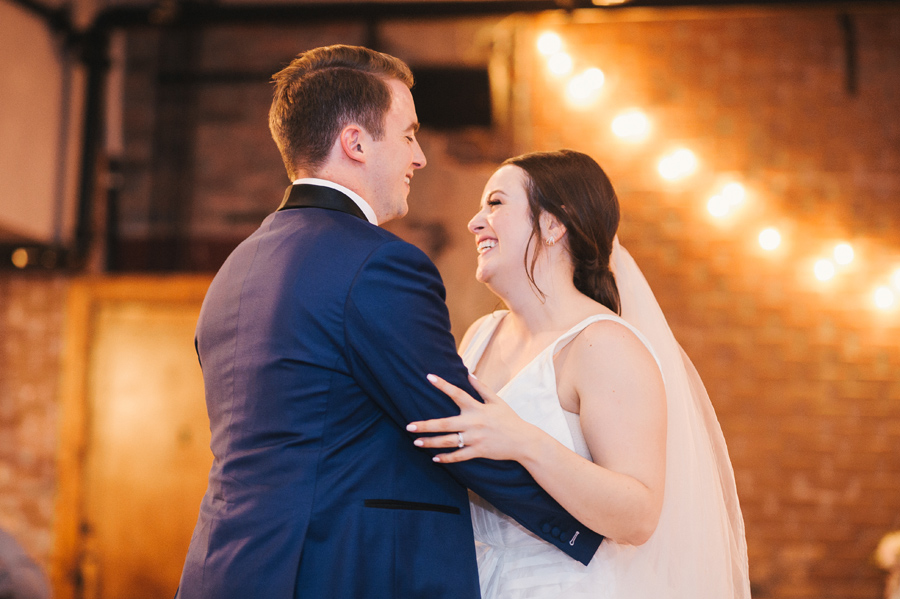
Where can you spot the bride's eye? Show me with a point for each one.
(493, 202)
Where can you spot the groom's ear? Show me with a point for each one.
(352, 140)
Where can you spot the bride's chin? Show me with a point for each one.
(482, 275)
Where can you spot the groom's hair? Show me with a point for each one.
(323, 90)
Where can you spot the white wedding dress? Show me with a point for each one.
(698, 550)
(512, 562)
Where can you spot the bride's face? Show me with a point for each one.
(503, 226)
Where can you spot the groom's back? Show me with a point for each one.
(301, 452)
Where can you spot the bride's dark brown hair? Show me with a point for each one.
(572, 187)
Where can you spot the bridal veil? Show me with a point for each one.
(698, 550)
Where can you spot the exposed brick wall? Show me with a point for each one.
(31, 315)
(805, 376)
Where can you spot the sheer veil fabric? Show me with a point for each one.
(698, 550)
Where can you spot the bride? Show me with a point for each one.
(599, 403)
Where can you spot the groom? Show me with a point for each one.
(315, 338)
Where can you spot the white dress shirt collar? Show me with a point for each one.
(357, 199)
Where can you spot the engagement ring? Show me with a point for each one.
(461, 443)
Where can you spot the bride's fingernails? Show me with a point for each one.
(412, 428)
(431, 378)
(418, 442)
(436, 458)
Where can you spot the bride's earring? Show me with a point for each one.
(551, 240)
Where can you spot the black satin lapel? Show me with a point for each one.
(317, 196)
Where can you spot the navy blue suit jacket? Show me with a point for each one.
(315, 338)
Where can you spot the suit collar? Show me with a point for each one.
(358, 199)
(317, 196)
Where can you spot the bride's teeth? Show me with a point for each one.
(486, 245)
(406, 179)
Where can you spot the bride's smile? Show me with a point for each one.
(503, 228)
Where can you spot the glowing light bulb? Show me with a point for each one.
(584, 87)
(560, 63)
(677, 165)
(593, 78)
(718, 206)
(549, 43)
(769, 239)
(20, 258)
(824, 270)
(895, 279)
(734, 193)
(578, 91)
(843, 253)
(884, 298)
(631, 125)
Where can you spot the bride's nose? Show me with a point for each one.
(477, 223)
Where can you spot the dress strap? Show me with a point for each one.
(471, 354)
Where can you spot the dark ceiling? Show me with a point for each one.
(191, 12)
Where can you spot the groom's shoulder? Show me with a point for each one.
(399, 256)
(353, 239)
(389, 257)
(385, 245)
(362, 233)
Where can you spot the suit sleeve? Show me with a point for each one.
(397, 331)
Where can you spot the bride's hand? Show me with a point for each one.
(486, 430)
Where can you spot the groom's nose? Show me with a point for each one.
(419, 160)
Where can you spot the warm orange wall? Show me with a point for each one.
(31, 324)
(805, 376)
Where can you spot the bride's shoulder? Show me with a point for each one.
(613, 342)
(609, 361)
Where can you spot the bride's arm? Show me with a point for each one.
(623, 418)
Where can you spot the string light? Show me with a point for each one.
(843, 254)
(677, 165)
(560, 63)
(549, 43)
(734, 193)
(718, 206)
(769, 239)
(631, 125)
(731, 196)
(593, 78)
(585, 86)
(895, 279)
(884, 298)
(824, 270)
(20, 258)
